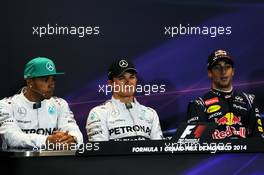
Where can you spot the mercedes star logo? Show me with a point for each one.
(22, 111)
(123, 63)
(49, 66)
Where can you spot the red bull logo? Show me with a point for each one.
(229, 119)
(229, 132)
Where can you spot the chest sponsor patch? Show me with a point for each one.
(24, 121)
(229, 119)
(239, 107)
(129, 129)
(239, 99)
(215, 115)
(42, 131)
(22, 111)
(211, 101)
(117, 120)
(213, 108)
(51, 110)
(229, 132)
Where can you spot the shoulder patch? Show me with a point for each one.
(7, 100)
(250, 98)
(93, 115)
(103, 105)
(149, 108)
(199, 101)
(58, 100)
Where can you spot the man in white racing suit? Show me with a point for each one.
(33, 118)
(122, 118)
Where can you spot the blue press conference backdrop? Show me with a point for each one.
(136, 30)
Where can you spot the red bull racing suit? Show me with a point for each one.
(117, 121)
(235, 113)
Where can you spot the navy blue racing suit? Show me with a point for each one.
(235, 113)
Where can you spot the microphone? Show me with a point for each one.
(38, 92)
(128, 105)
(37, 104)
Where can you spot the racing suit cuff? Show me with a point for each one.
(41, 141)
(77, 137)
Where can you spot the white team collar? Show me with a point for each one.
(122, 105)
(24, 98)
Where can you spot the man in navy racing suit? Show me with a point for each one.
(235, 112)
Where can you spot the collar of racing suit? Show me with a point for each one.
(223, 94)
(227, 96)
(122, 105)
(26, 101)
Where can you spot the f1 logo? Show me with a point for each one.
(187, 131)
(197, 133)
